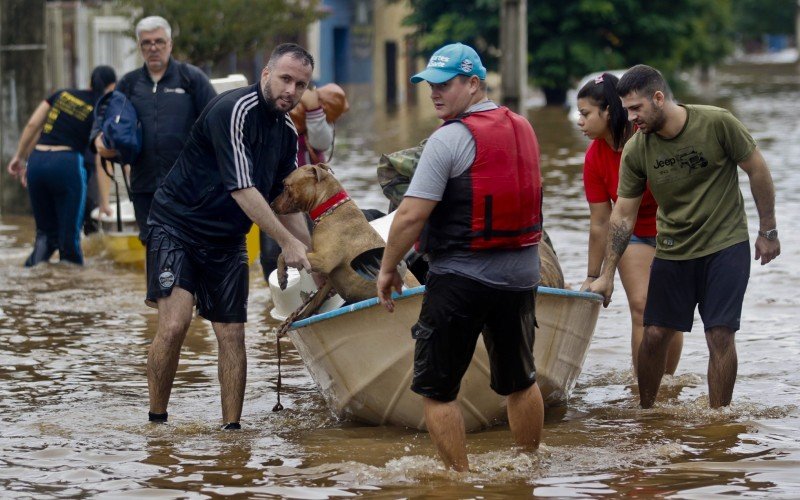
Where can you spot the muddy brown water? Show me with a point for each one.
(73, 394)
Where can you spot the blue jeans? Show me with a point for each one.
(57, 190)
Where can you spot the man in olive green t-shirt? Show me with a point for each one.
(688, 155)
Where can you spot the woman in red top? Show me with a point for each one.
(604, 120)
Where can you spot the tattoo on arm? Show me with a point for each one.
(619, 237)
(619, 234)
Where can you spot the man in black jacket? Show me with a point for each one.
(238, 154)
(168, 96)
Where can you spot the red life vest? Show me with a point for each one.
(497, 202)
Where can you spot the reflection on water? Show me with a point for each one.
(73, 395)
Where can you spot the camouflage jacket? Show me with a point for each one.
(395, 171)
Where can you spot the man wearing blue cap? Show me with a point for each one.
(474, 209)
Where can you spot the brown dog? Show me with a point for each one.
(341, 235)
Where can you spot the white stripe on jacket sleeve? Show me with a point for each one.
(240, 110)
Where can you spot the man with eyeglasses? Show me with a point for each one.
(168, 96)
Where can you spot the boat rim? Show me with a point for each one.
(411, 292)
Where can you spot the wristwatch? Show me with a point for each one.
(771, 234)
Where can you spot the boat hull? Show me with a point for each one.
(124, 248)
(361, 357)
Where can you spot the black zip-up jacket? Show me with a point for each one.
(167, 110)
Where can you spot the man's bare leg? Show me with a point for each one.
(231, 369)
(674, 350)
(174, 317)
(634, 271)
(526, 416)
(652, 362)
(723, 365)
(446, 426)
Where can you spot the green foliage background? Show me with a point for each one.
(754, 18)
(566, 38)
(570, 38)
(207, 31)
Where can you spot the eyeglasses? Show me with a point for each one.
(159, 43)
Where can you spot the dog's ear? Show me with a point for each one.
(320, 170)
(325, 167)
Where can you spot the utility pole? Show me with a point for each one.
(514, 57)
(22, 61)
(797, 28)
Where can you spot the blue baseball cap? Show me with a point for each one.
(449, 61)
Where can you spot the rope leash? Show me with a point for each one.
(282, 330)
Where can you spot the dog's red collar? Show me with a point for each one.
(328, 205)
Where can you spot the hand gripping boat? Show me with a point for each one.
(362, 357)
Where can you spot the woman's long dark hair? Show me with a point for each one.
(102, 76)
(602, 91)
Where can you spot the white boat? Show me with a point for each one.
(229, 82)
(362, 357)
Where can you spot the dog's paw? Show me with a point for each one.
(283, 280)
(283, 272)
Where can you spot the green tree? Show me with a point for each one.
(754, 18)
(439, 22)
(570, 38)
(208, 31)
(711, 35)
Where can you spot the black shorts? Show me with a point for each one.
(218, 277)
(716, 283)
(454, 312)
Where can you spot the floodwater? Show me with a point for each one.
(73, 395)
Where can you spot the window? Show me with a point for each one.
(114, 45)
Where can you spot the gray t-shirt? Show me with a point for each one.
(449, 152)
